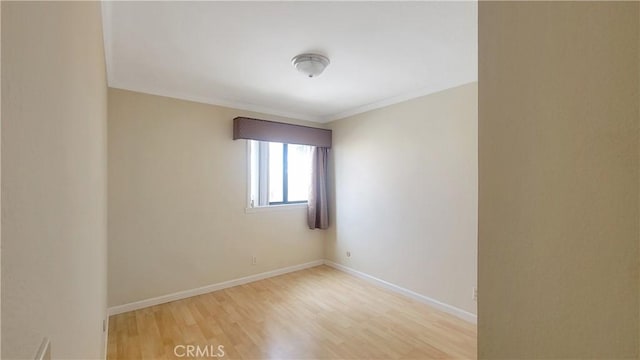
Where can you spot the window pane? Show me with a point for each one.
(275, 172)
(299, 160)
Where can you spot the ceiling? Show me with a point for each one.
(238, 54)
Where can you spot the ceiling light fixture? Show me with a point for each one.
(311, 65)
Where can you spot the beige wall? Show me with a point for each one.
(558, 180)
(405, 195)
(54, 112)
(177, 198)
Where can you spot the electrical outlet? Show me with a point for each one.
(254, 260)
(348, 254)
(474, 294)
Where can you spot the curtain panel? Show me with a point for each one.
(318, 210)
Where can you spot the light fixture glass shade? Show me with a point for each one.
(310, 65)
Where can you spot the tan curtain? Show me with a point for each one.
(318, 215)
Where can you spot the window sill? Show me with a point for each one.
(284, 207)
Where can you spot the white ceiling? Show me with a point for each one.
(238, 54)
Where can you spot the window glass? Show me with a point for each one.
(299, 171)
(276, 172)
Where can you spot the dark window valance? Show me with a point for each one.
(263, 130)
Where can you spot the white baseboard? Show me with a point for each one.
(207, 288)
(462, 314)
(106, 335)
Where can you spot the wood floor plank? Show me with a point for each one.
(317, 313)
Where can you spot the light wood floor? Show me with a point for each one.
(318, 313)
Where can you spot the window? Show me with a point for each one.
(279, 173)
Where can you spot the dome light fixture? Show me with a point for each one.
(311, 65)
